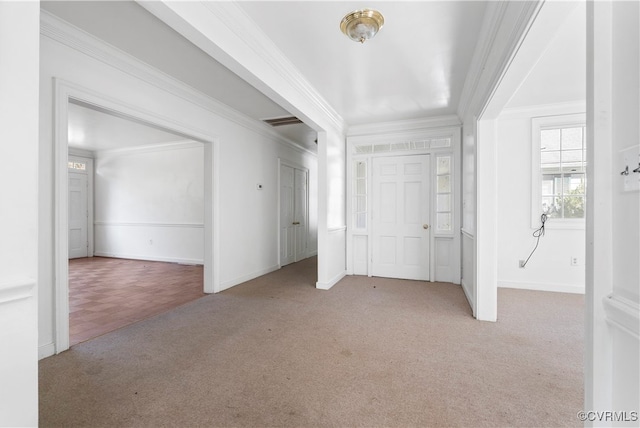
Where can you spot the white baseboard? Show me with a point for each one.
(248, 277)
(150, 258)
(558, 288)
(312, 253)
(47, 350)
(468, 292)
(332, 282)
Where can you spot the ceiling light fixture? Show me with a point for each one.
(362, 25)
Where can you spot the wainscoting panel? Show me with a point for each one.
(179, 243)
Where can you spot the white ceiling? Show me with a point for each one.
(414, 68)
(559, 76)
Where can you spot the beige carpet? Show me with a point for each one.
(370, 352)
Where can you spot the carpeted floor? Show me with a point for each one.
(369, 352)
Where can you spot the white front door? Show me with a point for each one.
(400, 222)
(78, 215)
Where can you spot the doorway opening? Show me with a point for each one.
(164, 220)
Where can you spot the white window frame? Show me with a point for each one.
(538, 124)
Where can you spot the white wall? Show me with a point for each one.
(149, 203)
(18, 212)
(549, 267)
(246, 155)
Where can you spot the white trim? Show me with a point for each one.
(47, 350)
(623, 314)
(82, 153)
(61, 31)
(468, 292)
(337, 229)
(541, 110)
(150, 148)
(64, 91)
(248, 277)
(466, 233)
(150, 258)
(400, 126)
(14, 289)
(401, 136)
(333, 281)
(148, 224)
(540, 286)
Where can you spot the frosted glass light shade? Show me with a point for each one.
(361, 25)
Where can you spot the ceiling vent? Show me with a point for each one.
(280, 121)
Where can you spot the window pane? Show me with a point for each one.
(572, 138)
(361, 220)
(552, 157)
(361, 187)
(550, 139)
(549, 206)
(444, 185)
(573, 206)
(574, 184)
(361, 170)
(444, 165)
(444, 221)
(443, 203)
(361, 203)
(548, 187)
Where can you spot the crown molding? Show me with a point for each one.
(400, 126)
(569, 107)
(246, 30)
(69, 35)
(503, 20)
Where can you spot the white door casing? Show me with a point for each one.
(400, 217)
(78, 215)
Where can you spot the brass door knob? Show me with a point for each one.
(425, 226)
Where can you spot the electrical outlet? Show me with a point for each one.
(521, 264)
(575, 261)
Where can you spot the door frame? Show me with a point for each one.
(447, 127)
(295, 165)
(64, 92)
(75, 154)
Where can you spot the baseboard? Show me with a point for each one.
(312, 253)
(468, 294)
(248, 277)
(332, 282)
(558, 288)
(149, 258)
(47, 350)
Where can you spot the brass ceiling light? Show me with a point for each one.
(362, 25)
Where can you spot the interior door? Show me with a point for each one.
(78, 215)
(287, 215)
(300, 213)
(400, 223)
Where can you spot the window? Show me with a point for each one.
(559, 154)
(443, 194)
(77, 166)
(359, 195)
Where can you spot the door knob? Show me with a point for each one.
(295, 223)
(425, 226)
